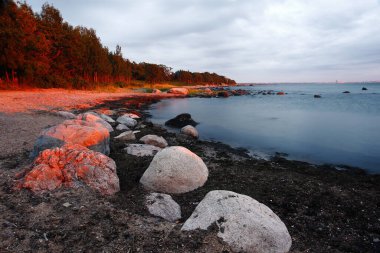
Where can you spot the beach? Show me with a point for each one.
(324, 209)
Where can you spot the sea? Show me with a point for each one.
(336, 129)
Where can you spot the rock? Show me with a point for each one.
(106, 111)
(181, 120)
(208, 90)
(175, 170)
(162, 205)
(190, 131)
(142, 149)
(317, 96)
(94, 117)
(224, 94)
(71, 166)
(107, 118)
(364, 88)
(66, 115)
(126, 136)
(132, 115)
(180, 91)
(280, 93)
(126, 120)
(92, 135)
(156, 91)
(154, 140)
(346, 92)
(66, 204)
(244, 223)
(122, 127)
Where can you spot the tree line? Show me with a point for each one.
(42, 50)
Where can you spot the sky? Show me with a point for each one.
(246, 40)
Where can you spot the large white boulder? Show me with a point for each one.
(142, 149)
(244, 223)
(126, 120)
(175, 170)
(162, 205)
(154, 140)
(190, 131)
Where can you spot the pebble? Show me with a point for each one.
(67, 204)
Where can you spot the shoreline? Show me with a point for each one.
(324, 209)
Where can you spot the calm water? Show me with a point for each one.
(336, 129)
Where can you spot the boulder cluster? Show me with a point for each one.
(74, 154)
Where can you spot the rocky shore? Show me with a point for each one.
(322, 209)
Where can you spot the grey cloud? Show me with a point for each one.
(266, 40)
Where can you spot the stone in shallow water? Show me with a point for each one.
(162, 205)
(71, 166)
(244, 223)
(142, 149)
(181, 120)
(190, 131)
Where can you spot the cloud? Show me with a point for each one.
(262, 41)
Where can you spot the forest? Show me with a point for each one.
(42, 50)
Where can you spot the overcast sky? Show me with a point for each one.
(247, 40)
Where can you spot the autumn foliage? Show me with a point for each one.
(42, 50)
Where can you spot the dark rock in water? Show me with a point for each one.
(181, 120)
(364, 88)
(224, 94)
(346, 91)
(240, 92)
(317, 96)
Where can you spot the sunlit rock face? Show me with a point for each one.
(175, 170)
(180, 91)
(95, 118)
(244, 223)
(71, 166)
(88, 134)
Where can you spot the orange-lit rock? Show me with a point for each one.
(88, 134)
(95, 118)
(181, 91)
(71, 166)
